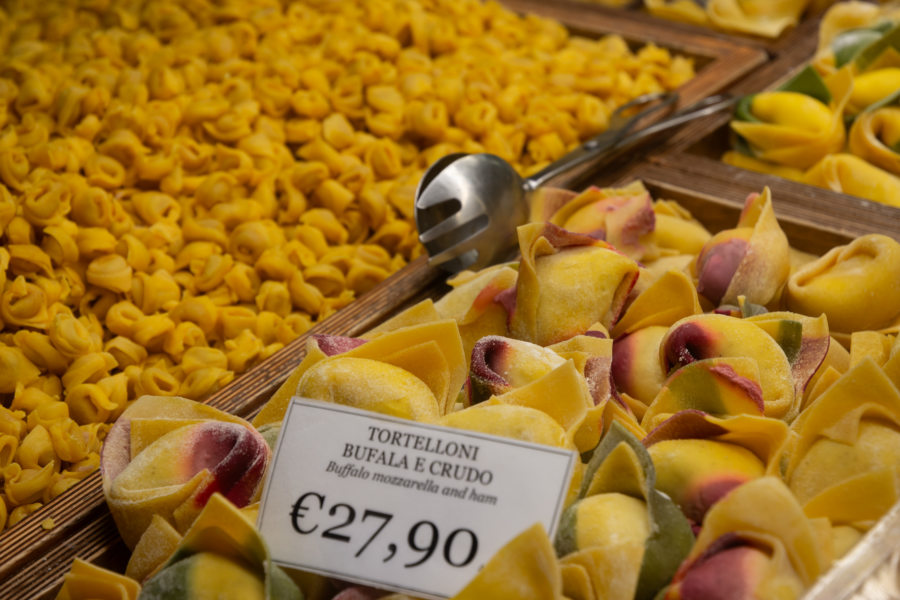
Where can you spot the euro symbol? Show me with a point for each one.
(298, 512)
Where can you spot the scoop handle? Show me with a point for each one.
(707, 106)
(611, 142)
(605, 141)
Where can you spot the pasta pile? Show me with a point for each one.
(835, 124)
(187, 186)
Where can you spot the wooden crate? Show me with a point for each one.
(33, 559)
(717, 203)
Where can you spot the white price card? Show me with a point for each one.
(400, 505)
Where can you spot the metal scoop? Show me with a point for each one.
(468, 206)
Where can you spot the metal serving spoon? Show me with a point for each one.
(468, 206)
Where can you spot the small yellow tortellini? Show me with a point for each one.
(24, 304)
(15, 368)
(39, 349)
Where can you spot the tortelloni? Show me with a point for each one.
(184, 189)
(855, 285)
(847, 139)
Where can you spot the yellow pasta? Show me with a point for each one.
(205, 381)
(242, 349)
(24, 304)
(88, 403)
(12, 422)
(15, 368)
(68, 439)
(156, 380)
(20, 512)
(275, 297)
(39, 349)
(8, 447)
(183, 336)
(155, 292)
(199, 310)
(125, 351)
(24, 486)
(88, 368)
(59, 244)
(36, 449)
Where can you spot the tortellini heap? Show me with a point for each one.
(835, 124)
(187, 187)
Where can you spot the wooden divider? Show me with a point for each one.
(808, 25)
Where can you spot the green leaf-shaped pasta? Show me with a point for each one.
(622, 524)
(223, 555)
(798, 124)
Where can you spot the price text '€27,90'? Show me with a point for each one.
(313, 514)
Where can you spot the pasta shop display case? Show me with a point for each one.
(190, 191)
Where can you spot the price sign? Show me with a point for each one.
(400, 505)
